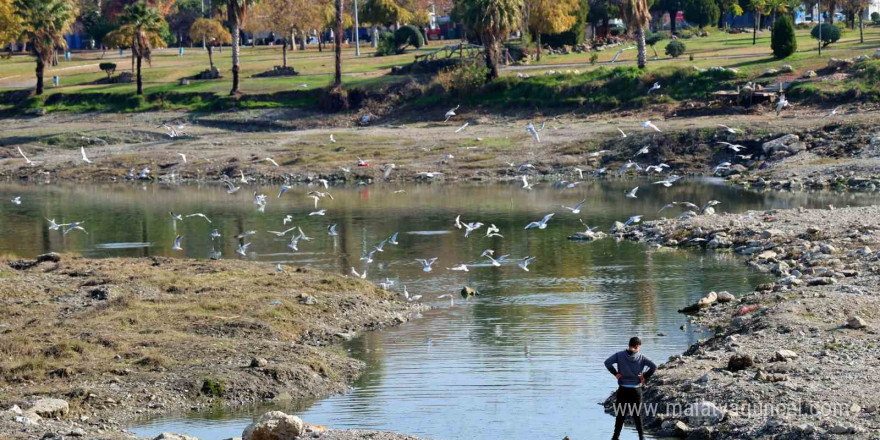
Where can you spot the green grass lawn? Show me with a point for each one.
(595, 86)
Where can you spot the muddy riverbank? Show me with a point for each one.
(832, 152)
(792, 359)
(119, 339)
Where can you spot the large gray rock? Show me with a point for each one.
(856, 322)
(48, 408)
(789, 143)
(704, 413)
(274, 425)
(172, 436)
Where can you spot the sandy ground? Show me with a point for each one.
(491, 147)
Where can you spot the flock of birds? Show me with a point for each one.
(321, 194)
(297, 235)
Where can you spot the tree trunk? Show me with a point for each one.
(284, 55)
(40, 68)
(337, 41)
(643, 54)
(490, 48)
(720, 18)
(140, 80)
(831, 8)
(374, 41)
(236, 40)
(538, 43)
(293, 40)
(302, 41)
(755, 30)
(605, 27)
(861, 27)
(211, 55)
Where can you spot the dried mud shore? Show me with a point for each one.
(89, 345)
(793, 359)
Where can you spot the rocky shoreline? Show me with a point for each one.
(90, 345)
(793, 359)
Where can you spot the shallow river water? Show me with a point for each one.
(521, 361)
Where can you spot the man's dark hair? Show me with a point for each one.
(635, 342)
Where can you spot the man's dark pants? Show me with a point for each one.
(628, 404)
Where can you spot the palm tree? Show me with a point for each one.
(237, 14)
(44, 23)
(143, 24)
(492, 20)
(636, 16)
(337, 40)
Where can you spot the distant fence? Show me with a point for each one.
(461, 50)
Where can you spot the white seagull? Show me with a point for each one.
(82, 151)
(28, 161)
(462, 127)
(451, 113)
(576, 209)
(542, 224)
(531, 129)
(176, 246)
(656, 86)
(632, 193)
(729, 130)
(649, 124)
(199, 214)
(622, 134)
(426, 264)
(524, 263)
(17, 200)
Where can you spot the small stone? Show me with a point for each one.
(740, 361)
(274, 425)
(784, 355)
(725, 296)
(810, 74)
(840, 429)
(49, 408)
(77, 432)
(468, 291)
(172, 436)
(259, 362)
(856, 322)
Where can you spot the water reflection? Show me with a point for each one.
(521, 360)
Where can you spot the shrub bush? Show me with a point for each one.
(386, 45)
(783, 41)
(108, 68)
(463, 79)
(875, 17)
(594, 58)
(830, 33)
(408, 35)
(675, 48)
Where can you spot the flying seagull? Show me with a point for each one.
(451, 113)
(656, 86)
(199, 214)
(524, 263)
(576, 209)
(359, 275)
(85, 158)
(729, 130)
(462, 127)
(28, 161)
(176, 246)
(542, 224)
(622, 134)
(781, 104)
(426, 264)
(531, 129)
(632, 193)
(16, 200)
(649, 124)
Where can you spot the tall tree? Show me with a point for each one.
(492, 21)
(10, 23)
(727, 7)
(671, 7)
(43, 24)
(381, 12)
(337, 41)
(701, 12)
(757, 7)
(287, 18)
(550, 17)
(210, 31)
(144, 24)
(236, 13)
(636, 16)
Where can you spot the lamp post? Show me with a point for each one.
(819, 9)
(357, 29)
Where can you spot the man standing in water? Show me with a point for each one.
(630, 374)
